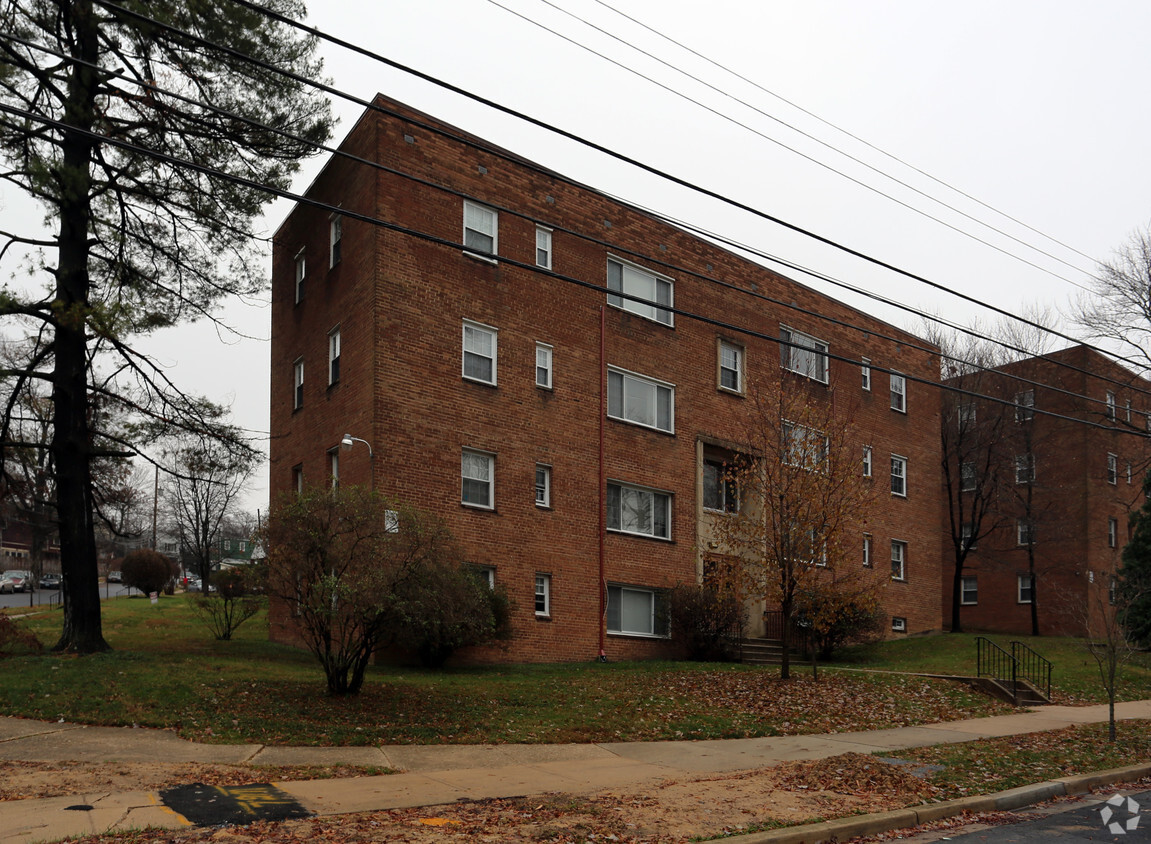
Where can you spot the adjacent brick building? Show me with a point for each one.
(1071, 453)
(479, 337)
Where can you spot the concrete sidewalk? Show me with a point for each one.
(438, 774)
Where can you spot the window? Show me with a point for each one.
(642, 401)
(865, 371)
(480, 353)
(544, 365)
(1110, 405)
(730, 367)
(967, 536)
(899, 476)
(478, 470)
(334, 356)
(1024, 532)
(967, 477)
(966, 414)
(638, 511)
(804, 447)
(1129, 473)
(298, 478)
(1112, 469)
(1024, 468)
(335, 239)
(334, 466)
(391, 521)
(1127, 410)
(543, 594)
(898, 560)
(898, 392)
(898, 625)
(719, 489)
(543, 485)
(1112, 533)
(301, 272)
(543, 247)
(480, 229)
(640, 612)
(298, 378)
(867, 550)
(1112, 591)
(1025, 406)
(867, 461)
(633, 281)
(803, 354)
(969, 591)
(486, 575)
(1024, 589)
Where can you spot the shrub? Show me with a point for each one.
(230, 605)
(147, 570)
(706, 622)
(834, 617)
(16, 640)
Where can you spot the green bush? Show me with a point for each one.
(147, 570)
(233, 602)
(706, 622)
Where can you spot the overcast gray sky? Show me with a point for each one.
(1037, 109)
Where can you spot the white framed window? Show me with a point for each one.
(867, 461)
(486, 575)
(898, 624)
(968, 591)
(301, 275)
(481, 230)
(1024, 592)
(1112, 469)
(967, 536)
(1127, 410)
(543, 485)
(1025, 468)
(898, 560)
(640, 400)
(730, 367)
(334, 466)
(720, 493)
(639, 511)
(1025, 406)
(1110, 405)
(335, 239)
(543, 598)
(867, 550)
(968, 476)
(636, 611)
(635, 281)
(1130, 473)
(898, 392)
(1024, 532)
(543, 247)
(804, 447)
(1112, 533)
(865, 373)
(899, 476)
(478, 471)
(966, 415)
(298, 384)
(480, 347)
(803, 354)
(334, 356)
(298, 478)
(544, 366)
(391, 521)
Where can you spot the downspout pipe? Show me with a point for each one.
(602, 480)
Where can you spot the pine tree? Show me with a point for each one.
(1135, 575)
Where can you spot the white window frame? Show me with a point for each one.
(730, 363)
(543, 247)
(968, 476)
(966, 413)
(477, 220)
(1024, 589)
(867, 461)
(543, 595)
(867, 550)
(1112, 469)
(803, 354)
(899, 474)
(1127, 410)
(391, 521)
(726, 488)
(629, 275)
(811, 446)
(334, 466)
(865, 373)
(968, 591)
(478, 329)
(899, 560)
(655, 599)
(543, 485)
(1110, 405)
(635, 381)
(1024, 533)
(334, 348)
(1112, 532)
(1025, 405)
(335, 239)
(301, 275)
(898, 392)
(659, 498)
(1025, 468)
(298, 478)
(898, 624)
(297, 383)
(544, 366)
(1130, 472)
(477, 457)
(967, 535)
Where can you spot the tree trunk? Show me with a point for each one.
(956, 598)
(71, 437)
(1034, 602)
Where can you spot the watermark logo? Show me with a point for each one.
(1120, 815)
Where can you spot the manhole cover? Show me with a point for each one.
(211, 805)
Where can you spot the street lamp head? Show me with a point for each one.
(347, 442)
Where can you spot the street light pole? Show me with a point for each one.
(346, 444)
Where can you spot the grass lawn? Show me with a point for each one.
(166, 670)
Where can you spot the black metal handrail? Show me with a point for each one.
(1034, 667)
(994, 662)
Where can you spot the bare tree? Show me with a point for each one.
(1118, 308)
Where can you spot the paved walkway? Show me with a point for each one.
(438, 774)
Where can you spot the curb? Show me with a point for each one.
(1001, 801)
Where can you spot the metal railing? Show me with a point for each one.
(1011, 668)
(799, 640)
(1033, 667)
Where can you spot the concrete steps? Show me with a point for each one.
(763, 652)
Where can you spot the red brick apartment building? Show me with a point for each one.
(1072, 453)
(564, 432)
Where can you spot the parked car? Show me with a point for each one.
(115, 577)
(15, 580)
(50, 580)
